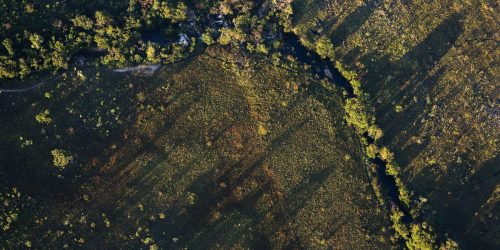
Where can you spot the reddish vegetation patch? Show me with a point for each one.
(239, 141)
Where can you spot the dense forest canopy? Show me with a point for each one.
(46, 35)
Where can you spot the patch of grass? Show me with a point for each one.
(203, 154)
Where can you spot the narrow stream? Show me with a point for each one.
(321, 67)
(325, 69)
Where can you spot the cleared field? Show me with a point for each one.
(221, 150)
(431, 69)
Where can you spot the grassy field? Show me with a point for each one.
(431, 69)
(221, 150)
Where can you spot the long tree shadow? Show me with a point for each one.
(414, 115)
(354, 21)
(409, 77)
(409, 71)
(19, 167)
(228, 211)
(218, 191)
(464, 197)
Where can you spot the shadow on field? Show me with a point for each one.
(189, 165)
(66, 131)
(76, 107)
(469, 200)
(410, 78)
(238, 199)
(241, 187)
(354, 21)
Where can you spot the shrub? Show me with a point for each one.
(422, 237)
(324, 47)
(356, 114)
(261, 48)
(61, 158)
(207, 38)
(375, 132)
(398, 108)
(10, 208)
(404, 194)
(36, 41)
(44, 117)
(352, 76)
(386, 154)
(371, 151)
(7, 43)
(82, 22)
(392, 169)
(230, 35)
(399, 227)
(180, 13)
(449, 245)
(151, 54)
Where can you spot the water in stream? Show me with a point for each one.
(324, 68)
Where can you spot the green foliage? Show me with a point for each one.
(44, 117)
(371, 151)
(180, 13)
(151, 54)
(386, 53)
(7, 43)
(228, 36)
(36, 41)
(115, 28)
(356, 115)
(352, 77)
(449, 244)
(83, 22)
(229, 7)
(375, 132)
(207, 38)
(324, 48)
(66, 28)
(9, 208)
(284, 12)
(192, 45)
(392, 169)
(102, 19)
(261, 48)
(398, 108)
(400, 228)
(59, 55)
(61, 158)
(422, 238)
(120, 37)
(386, 154)
(8, 67)
(404, 195)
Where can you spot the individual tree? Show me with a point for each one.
(44, 117)
(324, 47)
(61, 158)
(356, 115)
(228, 36)
(207, 38)
(151, 54)
(7, 43)
(83, 22)
(36, 41)
(422, 237)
